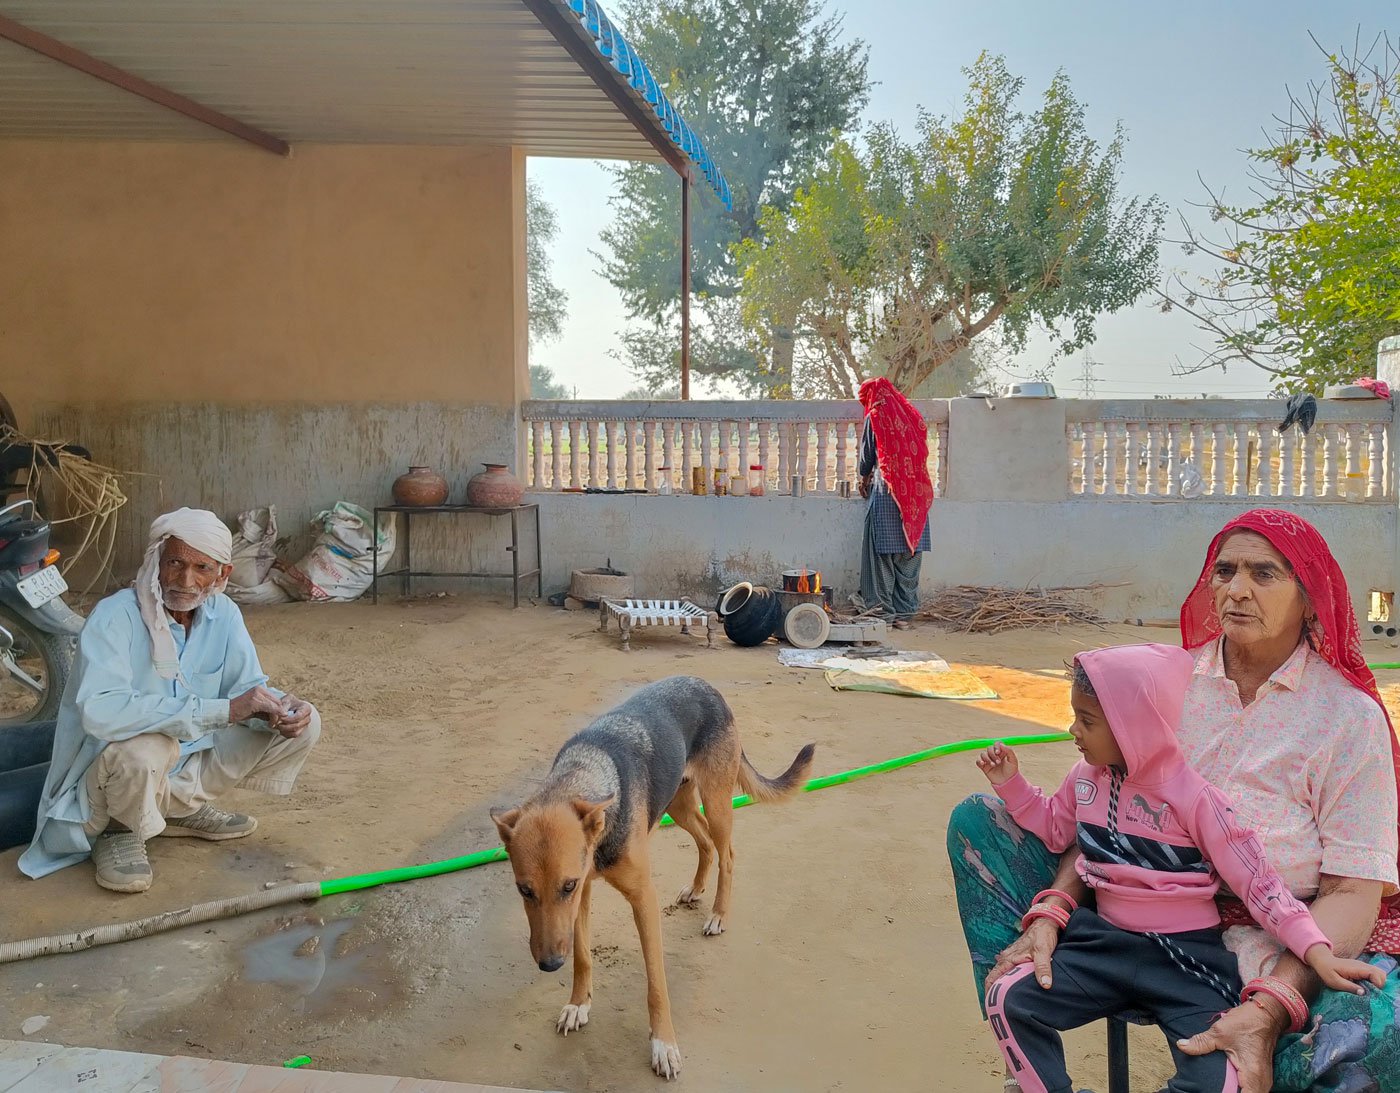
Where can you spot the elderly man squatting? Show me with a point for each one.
(166, 710)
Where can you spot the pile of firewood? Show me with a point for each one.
(977, 610)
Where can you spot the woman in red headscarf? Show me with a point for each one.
(894, 476)
(1284, 717)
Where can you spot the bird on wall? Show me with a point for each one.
(1301, 410)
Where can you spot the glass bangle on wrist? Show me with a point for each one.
(1058, 915)
(1056, 893)
(1284, 994)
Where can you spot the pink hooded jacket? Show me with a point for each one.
(1156, 839)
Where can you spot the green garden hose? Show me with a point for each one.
(484, 857)
(909, 760)
(291, 893)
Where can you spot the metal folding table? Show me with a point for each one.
(406, 573)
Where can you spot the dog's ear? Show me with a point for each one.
(591, 815)
(505, 821)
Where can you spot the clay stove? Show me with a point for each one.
(803, 586)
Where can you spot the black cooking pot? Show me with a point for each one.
(750, 612)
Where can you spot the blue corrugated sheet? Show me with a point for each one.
(613, 48)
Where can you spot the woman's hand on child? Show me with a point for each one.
(1343, 975)
(999, 764)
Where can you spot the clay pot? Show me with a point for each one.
(421, 486)
(495, 488)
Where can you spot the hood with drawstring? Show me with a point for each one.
(1142, 689)
(1155, 838)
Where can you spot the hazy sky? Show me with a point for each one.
(1192, 82)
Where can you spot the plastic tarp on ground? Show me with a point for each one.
(930, 677)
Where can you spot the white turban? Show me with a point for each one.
(204, 532)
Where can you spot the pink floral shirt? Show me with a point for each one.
(1308, 766)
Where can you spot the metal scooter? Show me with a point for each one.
(38, 630)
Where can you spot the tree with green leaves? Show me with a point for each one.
(897, 258)
(1309, 277)
(545, 384)
(548, 303)
(768, 84)
(650, 394)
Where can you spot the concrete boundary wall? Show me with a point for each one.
(1014, 510)
(1147, 554)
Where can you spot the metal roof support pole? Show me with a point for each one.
(85, 62)
(685, 283)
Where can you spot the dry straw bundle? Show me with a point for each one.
(978, 610)
(82, 492)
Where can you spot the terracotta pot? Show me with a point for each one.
(495, 488)
(419, 487)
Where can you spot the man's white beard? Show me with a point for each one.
(183, 601)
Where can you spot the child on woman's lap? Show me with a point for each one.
(1155, 840)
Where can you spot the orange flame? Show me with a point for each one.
(803, 585)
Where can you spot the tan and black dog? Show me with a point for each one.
(671, 747)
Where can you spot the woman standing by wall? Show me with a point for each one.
(894, 477)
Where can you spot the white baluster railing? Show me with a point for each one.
(1235, 446)
(621, 445)
(1288, 447)
(1173, 456)
(1375, 484)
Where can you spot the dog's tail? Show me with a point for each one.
(763, 790)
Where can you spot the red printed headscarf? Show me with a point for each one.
(1335, 637)
(901, 441)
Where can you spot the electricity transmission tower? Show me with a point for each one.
(1088, 378)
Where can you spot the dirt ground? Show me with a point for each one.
(843, 966)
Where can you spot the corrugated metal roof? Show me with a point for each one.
(624, 60)
(358, 71)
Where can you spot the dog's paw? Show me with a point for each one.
(714, 926)
(665, 1059)
(690, 894)
(572, 1018)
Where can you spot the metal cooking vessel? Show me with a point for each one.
(1030, 390)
